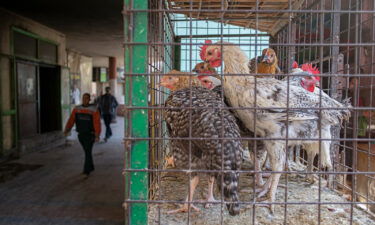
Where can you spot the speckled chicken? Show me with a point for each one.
(207, 121)
(177, 80)
(308, 78)
(206, 72)
(281, 111)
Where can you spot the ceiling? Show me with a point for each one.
(239, 12)
(93, 27)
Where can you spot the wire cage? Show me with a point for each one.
(335, 36)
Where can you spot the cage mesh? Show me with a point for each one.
(337, 36)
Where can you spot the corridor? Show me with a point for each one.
(52, 191)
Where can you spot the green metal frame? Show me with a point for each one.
(136, 123)
(38, 38)
(19, 30)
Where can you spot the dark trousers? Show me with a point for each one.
(107, 121)
(87, 141)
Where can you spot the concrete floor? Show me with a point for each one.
(56, 193)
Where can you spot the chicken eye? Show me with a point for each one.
(169, 78)
(209, 53)
(202, 67)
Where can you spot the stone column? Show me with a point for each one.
(112, 75)
(112, 70)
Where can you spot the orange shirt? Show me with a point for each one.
(86, 118)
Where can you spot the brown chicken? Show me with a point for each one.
(266, 63)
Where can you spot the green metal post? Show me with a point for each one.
(136, 123)
(177, 54)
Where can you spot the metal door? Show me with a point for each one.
(27, 99)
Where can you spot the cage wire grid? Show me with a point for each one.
(337, 36)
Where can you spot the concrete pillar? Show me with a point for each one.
(112, 75)
(112, 70)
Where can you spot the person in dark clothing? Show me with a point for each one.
(107, 106)
(87, 120)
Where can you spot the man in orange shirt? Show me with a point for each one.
(87, 120)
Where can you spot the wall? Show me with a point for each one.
(7, 94)
(80, 67)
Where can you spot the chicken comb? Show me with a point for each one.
(203, 49)
(309, 68)
(295, 65)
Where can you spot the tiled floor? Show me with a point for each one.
(56, 193)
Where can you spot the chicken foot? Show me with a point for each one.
(210, 196)
(185, 208)
(276, 152)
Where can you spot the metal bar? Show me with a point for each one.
(254, 139)
(244, 171)
(355, 44)
(136, 29)
(9, 112)
(182, 11)
(263, 74)
(355, 122)
(22, 31)
(224, 36)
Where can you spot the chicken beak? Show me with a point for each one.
(266, 59)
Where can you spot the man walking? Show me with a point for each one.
(107, 106)
(87, 120)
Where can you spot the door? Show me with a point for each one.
(27, 99)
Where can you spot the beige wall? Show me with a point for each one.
(80, 66)
(86, 74)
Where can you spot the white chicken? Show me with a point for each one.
(287, 116)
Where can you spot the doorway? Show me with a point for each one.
(49, 95)
(39, 104)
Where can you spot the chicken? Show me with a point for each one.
(207, 122)
(307, 77)
(266, 63)
(308, 81)
(282, 112)
(204, 68)
(174, 82)
(259, 154)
